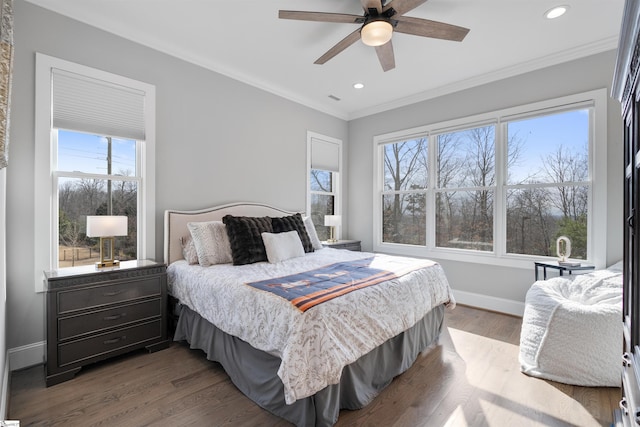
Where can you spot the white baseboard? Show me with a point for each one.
(27, 355)
(501, 305)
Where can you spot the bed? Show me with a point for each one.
(301, 356)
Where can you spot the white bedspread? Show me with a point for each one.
(315, 345)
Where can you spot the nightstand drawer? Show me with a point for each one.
(99, 345)
(82, 299)
(74, 326)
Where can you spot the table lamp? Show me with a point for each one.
(106, 227)
(332, 221)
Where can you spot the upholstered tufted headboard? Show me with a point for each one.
(175, 222)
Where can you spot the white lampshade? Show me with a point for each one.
(332, 220)
(106, 225)
(376, 33)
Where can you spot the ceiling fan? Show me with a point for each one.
(377, 25)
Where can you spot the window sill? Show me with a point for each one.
(489, 258)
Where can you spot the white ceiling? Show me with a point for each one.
(245, 40)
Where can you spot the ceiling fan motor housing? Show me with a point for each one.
(376, 32)
(378, 27)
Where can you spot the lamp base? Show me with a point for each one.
(107, 264)
(332, 234)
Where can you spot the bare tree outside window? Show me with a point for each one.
(322, 200)
(404, 197)
(546, 189)
(88, 186)
(548, 193)
(465, 196)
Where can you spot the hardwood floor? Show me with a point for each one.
(471, 378)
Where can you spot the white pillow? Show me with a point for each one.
(311, 231)
(282, 246)
(211, 242)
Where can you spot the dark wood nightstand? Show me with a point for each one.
(95, 314)
(352, 245)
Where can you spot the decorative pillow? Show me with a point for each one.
(293, 223)
(282, 246)
(313, 234)
(245, 237)
(211, 242)
(189, 250)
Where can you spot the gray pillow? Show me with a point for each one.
(313, 234)
(211, 242)
(189, 250)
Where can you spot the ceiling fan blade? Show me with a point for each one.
(402, 6)
(428, 28)
(386, 57)
(342, 18)
(371, 4)
(339, 47)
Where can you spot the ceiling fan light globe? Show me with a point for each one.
(376, 33)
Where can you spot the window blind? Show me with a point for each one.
(325, 155)
(94, 106)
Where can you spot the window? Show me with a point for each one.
(96, 175)
(548, 185)
(324, 161)
(404, 195)
(501, 186)
(465, 188)
(94, 156)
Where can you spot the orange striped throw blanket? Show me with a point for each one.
(310, 288)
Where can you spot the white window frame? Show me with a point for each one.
(336, 177)
(596, 226)
(45, 179)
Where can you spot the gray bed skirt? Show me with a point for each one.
(254, 372)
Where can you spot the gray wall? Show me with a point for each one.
(218, 141)
(582, 75)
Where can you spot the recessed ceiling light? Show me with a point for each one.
(556, 12)
(358, 85)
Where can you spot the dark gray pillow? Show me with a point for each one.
(291, 223)
(245, 238)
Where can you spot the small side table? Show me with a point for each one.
(560, 268)
(352, 245)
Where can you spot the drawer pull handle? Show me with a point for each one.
(626, 359)
(115, 340)
(112, 293)
(114, 317)
(623, 407)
